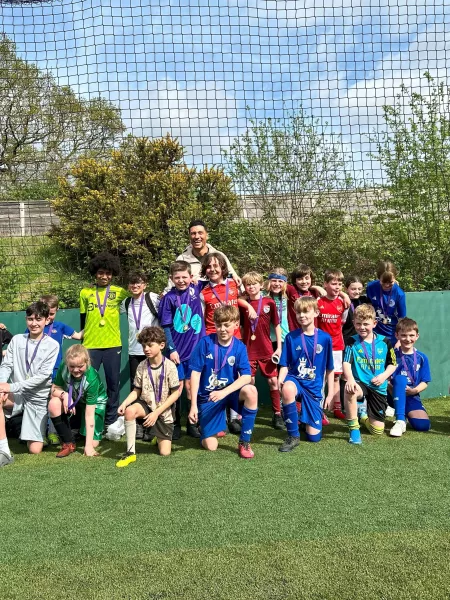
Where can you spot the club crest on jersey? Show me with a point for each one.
(340, 308)
(391, 303)
(304, 371)
(231, 360)
(266, 309)
(112, 295)
(191, 292)
(380, 350)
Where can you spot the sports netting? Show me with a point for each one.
(328, 115)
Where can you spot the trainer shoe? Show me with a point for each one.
(235, 426)
(5, 459)
(147, 436)
(191, 430)
(338, 414)
(53, 439)
(398, 429)
(325, 420)
(390, 412)
(245, 450)
(289, 444)
(66, 449)
(139, 431)
(277, 422)
(127, 459)
(355, 437)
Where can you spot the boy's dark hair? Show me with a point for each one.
(197, 223)
(386, 266)
(352, 279)
(106, 261)
(331, 274)
(137, 277)
(180, 265)
(301, 271)
(220, 259)
(51, 300)
(224, 314)
(152, 334)
(39, 309)
(406, 324)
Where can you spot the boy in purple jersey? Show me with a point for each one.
(409, 380)
(221, 378)
(181, 316)
(306, 361)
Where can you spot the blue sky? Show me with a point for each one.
(191, 67)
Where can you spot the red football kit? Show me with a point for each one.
(261, 347)
(218, 297)
(292, 294)
(330, 319)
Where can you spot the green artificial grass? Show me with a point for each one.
(327, 521)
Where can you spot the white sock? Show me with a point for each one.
(4, 446)
(234, 415)
(130, 433)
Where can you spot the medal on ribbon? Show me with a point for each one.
(102, 305)
(137, 317)
(227, 289)
(311, 374)
(384, 309)
(370, 360)
(218, 368)
(70, 403)
(183, 314)
(254, 322)
(28, 363)
(157, 391)
(412, 376)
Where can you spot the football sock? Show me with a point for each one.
(4, 446)
(399, 392)
(61, 424)
(291, 419)
(352, 424)
(248, 423)
(420, 424)
(316, 437)
(130, 434)
(276, 400)
(373, 429)
(342, 383)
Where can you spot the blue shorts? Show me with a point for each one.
(212, 416)
(311, 412)
(184, 372)
(413, 403)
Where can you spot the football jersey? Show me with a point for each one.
(95, 334)
(203, 361)
(148, 319)
(365, 370)
(307, 368)
(261, 347)
(150, 390)
(182, 312)
(330, 319)
(292, 294)
(93, 390)
(282, 310)
(211, 302)
(422, 372)
(58, 331)
(389, 307)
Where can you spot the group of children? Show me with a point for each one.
(319, 348)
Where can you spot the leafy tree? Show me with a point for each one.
(138, 203)
(413, 207)
(45, 127)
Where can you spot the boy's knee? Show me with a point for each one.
(289, 392)
(54, 406)
(130, 413)
(35, 447)
(249, 394)
(210, 444)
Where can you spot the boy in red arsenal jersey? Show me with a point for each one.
(302, 284)
(256, 336)
(332, 316)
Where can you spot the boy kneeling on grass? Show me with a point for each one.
(156, 389)
(77, 387)
(221, 378)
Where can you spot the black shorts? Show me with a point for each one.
(161, 430)
(376, 402)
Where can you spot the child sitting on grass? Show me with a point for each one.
(77, 388)
(156, 389)
(28, 366)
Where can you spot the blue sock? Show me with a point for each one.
(247, 423)
(316, 437)
(399, 384)
(291, 419)
(420, 424)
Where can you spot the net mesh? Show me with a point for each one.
(330, 117)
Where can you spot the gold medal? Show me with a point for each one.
(215, 382)
(102, 322)
(253, 338)
(186, 328)
(137, 335)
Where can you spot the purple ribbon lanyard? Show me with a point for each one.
(254, 323)
(305, 347)
(137, 318)
(28, 363)
(217, 369)
(183, 314)
(71, 404)
(227, 286)
(372, 367)
(158, 392)
(412, 377)
(102, 305)
(383, 308)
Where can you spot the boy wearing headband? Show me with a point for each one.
(221, 378)
(28, 366)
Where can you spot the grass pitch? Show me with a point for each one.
(327, 521)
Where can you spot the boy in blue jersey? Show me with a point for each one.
(306, 361)
(369, 361)
(180, 314)
(221, 378)
(410, 379)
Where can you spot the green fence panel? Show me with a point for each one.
(429, 309)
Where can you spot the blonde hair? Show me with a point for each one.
(77, 351)
(252, 277)
(51, 300)
(305, 303)
(277, 271)
(364, 311)
(225, 314)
